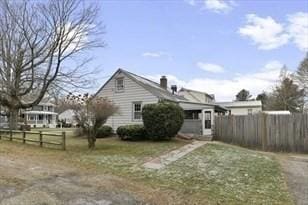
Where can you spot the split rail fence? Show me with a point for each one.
(40, 138)
(288, 133)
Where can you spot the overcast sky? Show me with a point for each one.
(214, 46)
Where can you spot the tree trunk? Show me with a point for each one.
(13, 118)
(91, 138)
(91, 141)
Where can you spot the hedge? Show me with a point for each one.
(104, 131)
(132, 132)
(162, 120)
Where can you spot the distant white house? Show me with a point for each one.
(68, 116)
(41, 115)
(235, 108)
(130, 92)
(243, 107)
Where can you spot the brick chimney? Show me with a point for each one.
(163, 82)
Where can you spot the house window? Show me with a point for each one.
(137, 111)
(119, 84)
(249, 111)
(40, 117)
(192, 114)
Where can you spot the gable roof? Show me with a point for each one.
(196, 91)
(154, 88)
(149, 85)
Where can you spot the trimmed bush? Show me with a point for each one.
(104, 131)
(132, 132)
(162, 120)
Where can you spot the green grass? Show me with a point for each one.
(212, 174)
(222, 174)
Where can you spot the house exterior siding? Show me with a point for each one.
(124, 99)
(244, 110)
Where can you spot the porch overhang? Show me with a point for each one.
(186, 105)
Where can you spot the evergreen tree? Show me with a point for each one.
(243, 95)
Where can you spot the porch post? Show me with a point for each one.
(203, 122)
(213, 120)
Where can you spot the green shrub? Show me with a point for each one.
(104, 131)
(132, 132)
(162, 120)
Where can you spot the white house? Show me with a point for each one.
(68, 116)
(243, 107)
(131, 92)
(41, 115)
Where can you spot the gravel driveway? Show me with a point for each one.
(29, 183)
(296, 171)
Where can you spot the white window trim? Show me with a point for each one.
(133, 110)
(116, 84)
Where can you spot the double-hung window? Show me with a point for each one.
(137, 110)
(120, 84)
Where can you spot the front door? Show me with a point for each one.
(207, 122)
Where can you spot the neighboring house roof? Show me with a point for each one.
(47, 102)
(37, 112)
(278, 112)
(155, 89)
(251, 103)
(191, 92)
(44, 101)
(216, 106)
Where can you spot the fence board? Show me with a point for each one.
(288, 133)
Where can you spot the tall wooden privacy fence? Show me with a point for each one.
(287, 133)
(39, 138)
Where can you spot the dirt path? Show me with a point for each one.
(296, 171)
(31, 183)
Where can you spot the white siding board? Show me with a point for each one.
(244, 110)
(133, 92)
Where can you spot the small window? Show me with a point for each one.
(249, 111)
(120, 84)
(137, 111)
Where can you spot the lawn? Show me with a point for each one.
(213, 174)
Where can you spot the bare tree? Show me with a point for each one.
(91, 113)
(43, 44)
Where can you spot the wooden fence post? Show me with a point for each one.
(11, 135)
(63, 141)
(41, 139)
(24, 137)
(264, 132)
